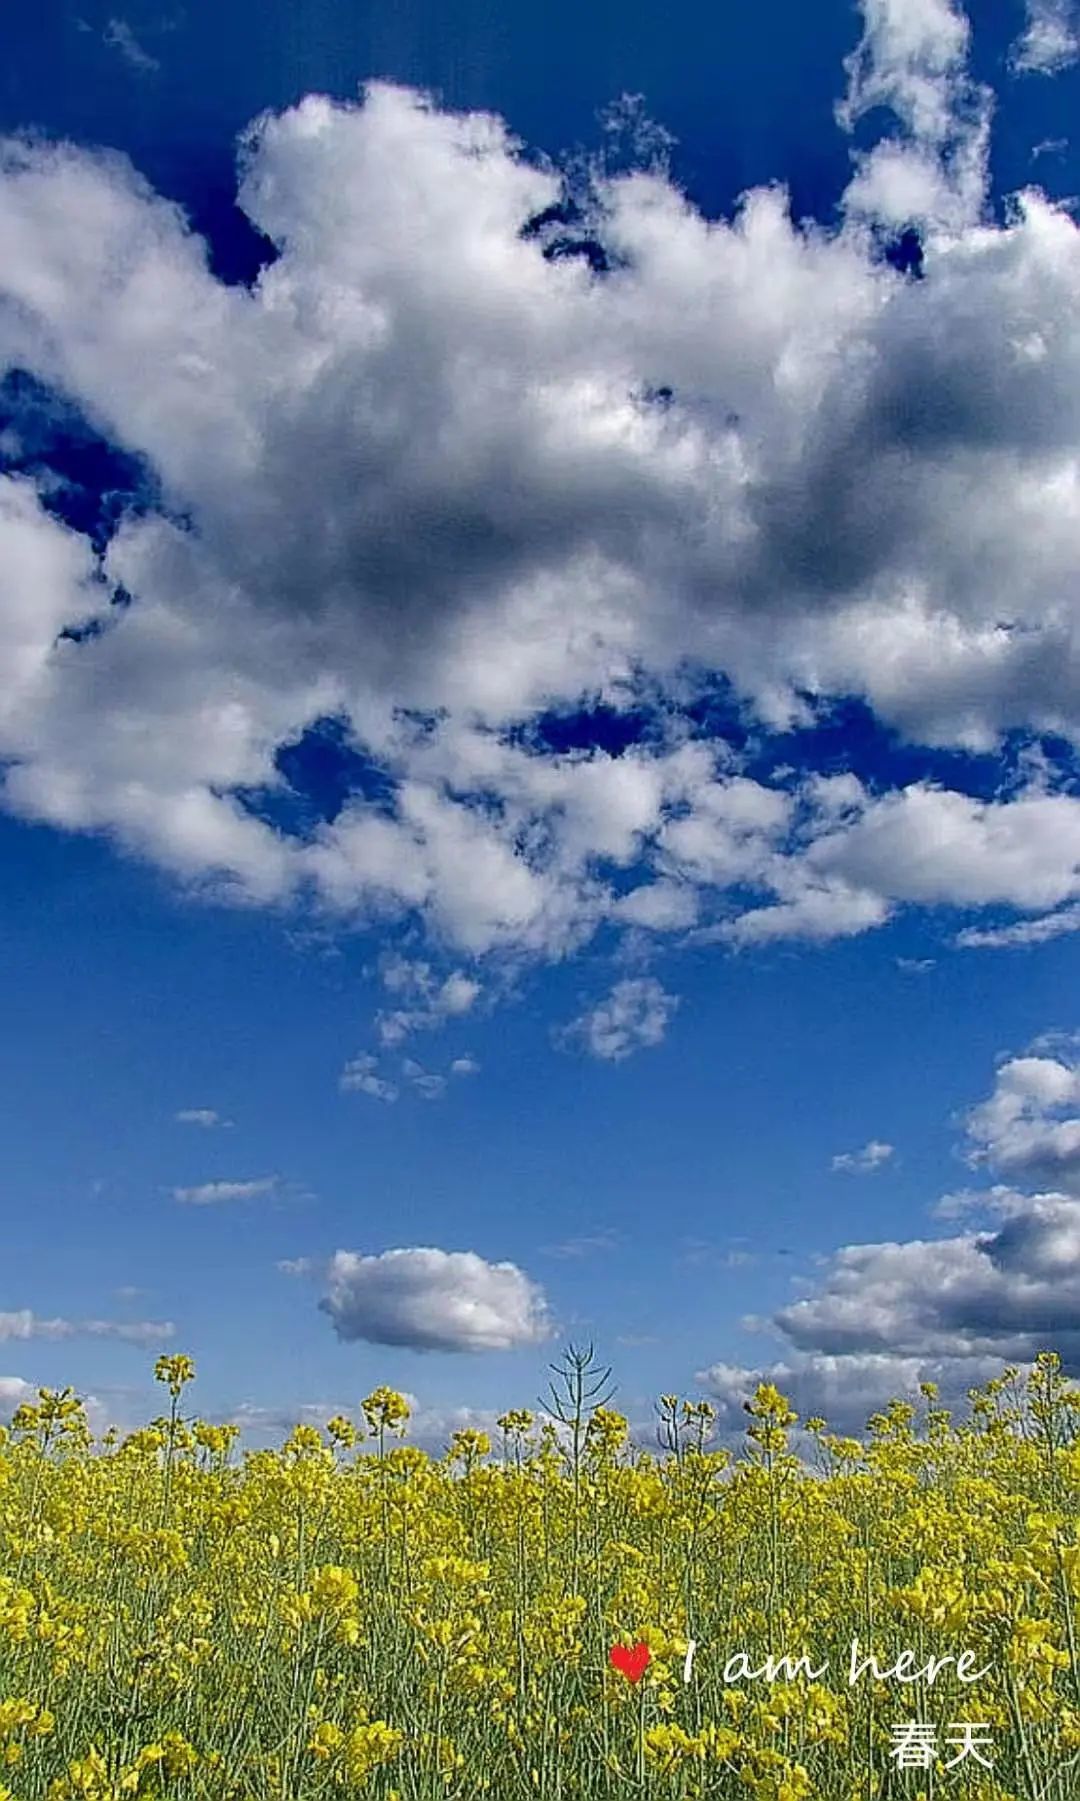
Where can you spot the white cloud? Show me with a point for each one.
(434, 1300)
(872, 1156)
(1050, 40)
(430, 1425)
(585, 1244)
(1008, 1294)
(661, 906)
(426, 1082)
(1028, 1130)
(209, 1194)
(429, 1001)
(1023, 932)
(880, 1317)
(120, 37)
(930, 846)
(25, 1324)
(818, 912)
(841, 496)
(912, 59)
(261, 1425)
(15, 1392)
(918, 846)
(633, 1016)
(844, 1389)
(207, 1117)
(361, 1076)
(296, 1266)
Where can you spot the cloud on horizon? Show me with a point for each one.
(880, 1318)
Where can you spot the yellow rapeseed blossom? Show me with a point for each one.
(347, 1614)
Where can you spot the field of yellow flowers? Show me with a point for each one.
(347, 1613)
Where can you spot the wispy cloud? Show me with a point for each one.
(209, 1194)
(1050, 40)
(25, 1324)
(634, 1016)
(361, 1076)
(120, 37)
(425, 999)
(366, 1074)
(587, 1244)
(872, 1156)
(1022, 932)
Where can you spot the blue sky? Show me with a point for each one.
(545, 727)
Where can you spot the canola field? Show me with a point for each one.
(349, 1615)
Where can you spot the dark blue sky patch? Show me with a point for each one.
(905, 254)
(714, 711)
(563, 233)
(322, 771)
(119, 601)
(82, 479)
(237, 251)
(563, 216)
(325, 769)
(82, 634)
(847, 738)
(588, 250)
(600, 729)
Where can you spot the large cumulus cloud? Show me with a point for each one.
(429, 481)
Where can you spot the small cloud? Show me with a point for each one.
(433, 1300)
(209, 1194)
(695, 1252)
(361, 1076)
(427, 1001)
(1049, 42)
(296, 1266)
(424, 1081)
(963, 1203)
(660, 906)
(120, 37)
(458, 994)
(207, 1117)
(916, 966)
(871, 1157)
(1028, 1128)
(633, 1016)
(587, 1245)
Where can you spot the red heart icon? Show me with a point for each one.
(632, 1660)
